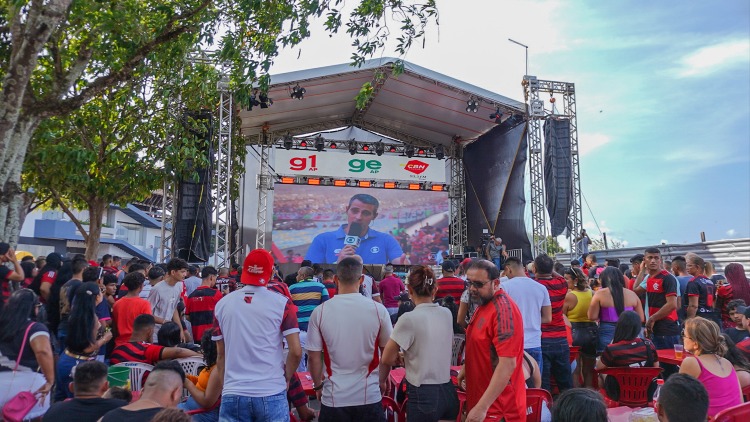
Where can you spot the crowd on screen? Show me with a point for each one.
(270, 344)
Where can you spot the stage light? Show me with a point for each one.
(438, 188)
(472, 105)
(333, 145)
(339, 183)
(389, 185)
(288, 141)
(298, 92)
(415, 186)
(439, 152)
(497, 116)
(352, 147)
(379, 148)
(314, 181)
(265, 101)
(364, 183)
(365, 147)
(287, 180)
(420, 151)
(409, 150)
(320, 143)
(303, 144)
(392, 149)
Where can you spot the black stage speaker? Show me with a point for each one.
(558, 176)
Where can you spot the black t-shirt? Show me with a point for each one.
(122, 415)
(703, 288)
(81, 410)
(11, 349)
(737, 335)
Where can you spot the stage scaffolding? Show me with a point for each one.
(536, 113)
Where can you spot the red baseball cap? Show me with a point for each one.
(257, 268)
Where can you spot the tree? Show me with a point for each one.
(552, 246)
(131, 141)
(597, 244)
(58, 55)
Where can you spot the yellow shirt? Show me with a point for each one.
(580, 312)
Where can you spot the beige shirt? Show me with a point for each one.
(426, 336)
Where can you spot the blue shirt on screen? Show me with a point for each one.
(375, 248)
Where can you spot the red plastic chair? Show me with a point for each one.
(740, 413)
(393, 412)
(574, 352)
(535, 399)
(461, 404)
(746, 393)
(634, 384)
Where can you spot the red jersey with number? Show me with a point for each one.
(496, 330)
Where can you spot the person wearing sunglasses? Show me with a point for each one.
(495, 385)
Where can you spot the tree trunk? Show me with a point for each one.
(96, 212)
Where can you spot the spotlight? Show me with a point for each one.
(333, 145)
(288, 141)
(253, 101)
(265, 101)
(298, 92)
(365, 147)
(352, 147)
(409, 150)
(320, 143)
(392, 149)
(472, 105)
(439, 152)
(303, 144)
(497, 116)
(379, 148)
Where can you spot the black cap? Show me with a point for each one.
(449, 265)
(636, 258)
(4, 248)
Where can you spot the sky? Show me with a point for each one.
(663, 93)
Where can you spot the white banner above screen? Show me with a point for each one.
(365, 166)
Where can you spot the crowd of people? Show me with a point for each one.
(63, 326)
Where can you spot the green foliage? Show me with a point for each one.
(597, 244)
(552, 247)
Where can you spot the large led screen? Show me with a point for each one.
(380, 225)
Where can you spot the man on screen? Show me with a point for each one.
(373, 246)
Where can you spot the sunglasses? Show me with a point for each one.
(478, 284)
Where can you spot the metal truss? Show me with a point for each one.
(264, 184)
(169, 193)
(222, 178)
(457, 197)
(536, 114)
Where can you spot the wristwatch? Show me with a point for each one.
(319, 386)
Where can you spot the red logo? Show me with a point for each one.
(416, 166)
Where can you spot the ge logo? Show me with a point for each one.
(374, 249)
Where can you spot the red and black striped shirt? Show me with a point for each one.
(200, 306)
(136, 352)
(634, 352)
(557, 288)
(450, 286)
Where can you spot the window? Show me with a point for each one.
(131, 233)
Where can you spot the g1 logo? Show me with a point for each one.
(358, 166)
(300, 163)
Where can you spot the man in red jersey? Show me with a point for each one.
(493, 371)
(449, 284)
(555, 348)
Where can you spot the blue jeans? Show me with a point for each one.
(556, 359)
(666, 342)
(254, 409)
(431, 402)
(536, 353)
(606, 334)
(497, 261)
(191, 404)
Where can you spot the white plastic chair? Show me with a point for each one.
(138, 370)
(457, 357)
(191, 365)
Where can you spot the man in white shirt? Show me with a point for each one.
(252, 323)
(533, 301)
(368, 288)
(348, 333)
(165, 296)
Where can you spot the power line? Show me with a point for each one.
(591, 212)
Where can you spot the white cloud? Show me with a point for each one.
(588, 142)
(713, 58)
(731, 232)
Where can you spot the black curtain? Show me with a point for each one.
(495, 165)
(558, 177)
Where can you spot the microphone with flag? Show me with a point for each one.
(352, 236)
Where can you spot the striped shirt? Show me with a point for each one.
(634, 352)
(200, 306)
(557, 288)
(450, 286)
(307, 295)
(136, 352)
